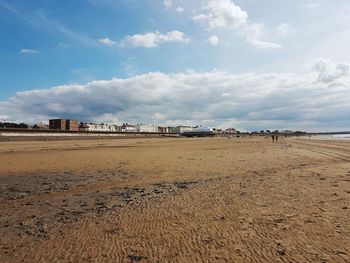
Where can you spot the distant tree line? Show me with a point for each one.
(12, 125)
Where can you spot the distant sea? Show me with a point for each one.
(340, 136)
(331, 137)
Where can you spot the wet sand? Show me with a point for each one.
(175, 200)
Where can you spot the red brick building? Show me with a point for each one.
(72, 125)
(64, 125)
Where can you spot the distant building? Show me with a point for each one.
(72, 125)
(146, 128)
(94, 127)
(118, 128)
(179, 129)
(64, 125)
(163, 129)
(231, 130)
(83, 127)
(129, 128)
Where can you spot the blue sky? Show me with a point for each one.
(172, 46)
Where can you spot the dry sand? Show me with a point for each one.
(175, 200)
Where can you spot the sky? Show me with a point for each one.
(248, 64)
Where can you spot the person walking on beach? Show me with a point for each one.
(276, 138)
(273, 138)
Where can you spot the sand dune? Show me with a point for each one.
(175, 200)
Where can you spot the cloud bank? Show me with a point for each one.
(316, 100)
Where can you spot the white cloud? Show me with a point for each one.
(253, 34)
(180, 9)
(168, 3)
(317, 100)
(283, 29)
(107, 42)
(330, 71)
(213, 40)
(222, 14)
(225, 14)
(153, 39)
(264, 44)
(29, 51)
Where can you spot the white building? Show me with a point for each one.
(179, 129)
(129, 128)
(147, 128)
(94, 127)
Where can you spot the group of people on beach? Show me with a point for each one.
(274, 138)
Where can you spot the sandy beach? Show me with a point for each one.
(175, 200)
